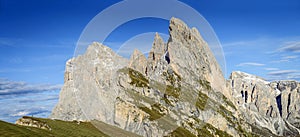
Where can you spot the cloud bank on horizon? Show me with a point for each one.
(20, 98)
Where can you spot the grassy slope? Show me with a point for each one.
(113, 130)
(59, 128)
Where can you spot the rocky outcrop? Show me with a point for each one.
(158, 49)
(288, 100)
(264, 104)
(138, 61)
(32, 122)
(89, 91)
(178, 90)
(191, 56)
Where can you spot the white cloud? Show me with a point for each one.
(249, 64)
(237, 43)
(292, 46)
(21, 113)
(284, 75)
(53, 57)
(271, 69)
(289, 57)
(280, 61)
(8, 87)
(253, 42)
(282, 72)
(19, 98)
(285, 59)
(295, 77)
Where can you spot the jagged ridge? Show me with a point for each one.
(179, 88)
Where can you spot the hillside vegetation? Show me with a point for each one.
(58, 128)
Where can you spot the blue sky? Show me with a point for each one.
(38, 37)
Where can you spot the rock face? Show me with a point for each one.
(31, 122)
(90, 84)
(272, 106)
(189, 53)
(288, 100)
(178, 90)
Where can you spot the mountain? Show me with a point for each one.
(269, 105)
(178, 90)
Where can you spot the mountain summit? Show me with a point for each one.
(178, 90)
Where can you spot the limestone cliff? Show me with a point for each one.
(178, 90)
(272, 106)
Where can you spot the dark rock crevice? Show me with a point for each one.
(242, 92)
(252, 92)
(246, 96)
(288, 106)
(279, 105)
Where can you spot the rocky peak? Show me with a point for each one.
(179, 30)
(186, 47)
(138, 61)
(157, 54)
(158, 48)
(247, 77)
